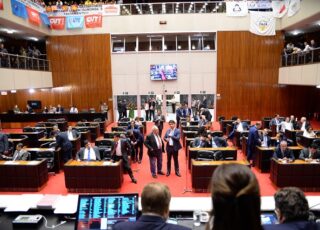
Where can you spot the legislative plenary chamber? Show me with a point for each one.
(101, 99)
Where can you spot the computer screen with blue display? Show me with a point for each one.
(103, 211)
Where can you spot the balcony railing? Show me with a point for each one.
(15, 61)
(301, 58)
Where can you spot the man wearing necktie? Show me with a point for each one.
(20, 154)
(282, 152)
(120, 150)
(72, 134)
(155, 149)
(88, 153)
(172, 137)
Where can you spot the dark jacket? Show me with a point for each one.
(287, 153)
(4, 143)
(80, 154)
(151, 144)
(175, 139)
(304, 153)
(294, 225)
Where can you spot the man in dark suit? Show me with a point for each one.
(158, 121)
(155, 201)
(172, 137)
(88, 153)
(72, 133)
(201, 141)
(217, 142)
(155, 147)
(64, 144)
(265, 138)
(292, 211)
(275, 122)
(309, 154)
(4, 143)
(282, 152)
(59, 109)
(253, 141)
(120, 151)
(152, 107)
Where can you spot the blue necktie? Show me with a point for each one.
(88, 154)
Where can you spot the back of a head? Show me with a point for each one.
(155, 198)
(291, 204)
(235, 198)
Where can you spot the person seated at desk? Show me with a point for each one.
(29, 109)
(292, 210)
(19, 155)
(132, 125)
(103, 107)
(72, 133)
(45, 110)
(279, 137)
(303, 124)
(308, 132)
(309, 154)
(16, 109)
(265, 139)
(217, 142)
(275, 122)
(201, 141)
(203, 121)
(282, 152)
(286, 124)
(239, 126)
(73, 109)
(88, 153)
(59, 109)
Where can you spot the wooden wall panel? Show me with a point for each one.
(247, 79)
(81, 70)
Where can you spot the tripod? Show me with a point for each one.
(186, 189)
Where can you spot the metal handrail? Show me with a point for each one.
(301, 57)
(15, 61)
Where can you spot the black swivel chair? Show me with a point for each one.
(49, 157)
(205, 156)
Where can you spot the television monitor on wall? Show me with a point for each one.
(35, 104)
(163, 72)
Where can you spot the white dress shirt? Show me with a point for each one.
(170, 139)
(91, 152)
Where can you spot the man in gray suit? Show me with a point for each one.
(309, 154)
(19, 155)
(88, 153)
(4, 143)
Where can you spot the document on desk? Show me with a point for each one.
(5, 200)
(11, 163)
(66, 204)
(33, 162)
(23, 203)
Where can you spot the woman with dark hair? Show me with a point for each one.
(235, 199)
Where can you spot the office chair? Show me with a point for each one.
(97, 119)
(107, 143)
(221, 118)
(205, 156)
(28, 129)
(49, 157)
(81, 124)
(105, 152)
(218, 156)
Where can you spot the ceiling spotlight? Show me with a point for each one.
(318, 86)
(31, 90)
(13, 91)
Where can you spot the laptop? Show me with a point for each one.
(102, 211)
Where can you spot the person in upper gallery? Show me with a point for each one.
(283, 152)
(88, 153)
(286, 124)
(308, 132)
(19, 155)
(45, 109)
(72, 133)
(235, 198)
(120, 109)
(64, 144)
(293, 121)
(73, 109)
(159, 119)
(253, 141)
(239, 126)
(155, 147)
(172, 137)
(309, 154)
(152, 107)
(206, 113)
(265, 138)
(29, 109)
(155, 202)
(275, 122)
(16, 109)
(59, 109)
(292, 210)
(4, 143)
(303, 123)
(124, 108)
(120, 150)
(201, 141)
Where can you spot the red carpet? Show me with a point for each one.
(177, 185)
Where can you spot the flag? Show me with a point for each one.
(57, 23)
(93, 21)
(259, 5)
(45, 19)
(262, 23)
(111, 9)
(75, 22)
(237, 9)
(33, 16)
(19, 9)
(280, 8)
(1, 5)
(294, 7)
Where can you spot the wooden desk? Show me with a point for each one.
(118, 129)
(307, 141)
(264, 155)
(224, 123)
(110, 135)
(33, 137)
(57, 156)
(62, 125)
(95, 176)
(227, 152)
(201, 173)
(26, 176)
(100, 140)
(238, 136)
(299, 174)
(94, 130)
(16, 141)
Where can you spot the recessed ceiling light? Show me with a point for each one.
(31, 90)
(318, 86)
(13, 91)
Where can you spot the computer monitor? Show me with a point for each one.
(103, 211)
(268, 218)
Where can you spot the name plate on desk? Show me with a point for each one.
(33, 162)
(11, 163)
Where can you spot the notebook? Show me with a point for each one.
(103, 211)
